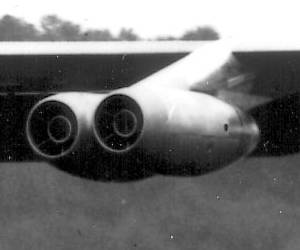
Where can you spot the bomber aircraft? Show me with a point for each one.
(182, 107)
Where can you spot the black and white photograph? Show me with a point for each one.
(149, 125)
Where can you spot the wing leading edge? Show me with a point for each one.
(97, 48)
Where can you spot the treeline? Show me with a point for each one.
(53, 28)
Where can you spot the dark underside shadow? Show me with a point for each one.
(101, 171)
(122, 168)
(279, 123)
(125, 172)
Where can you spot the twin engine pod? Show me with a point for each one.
(137, 125)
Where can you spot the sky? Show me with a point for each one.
(231, 18)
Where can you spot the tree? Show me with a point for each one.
(53, 28)
(14, 29)
(56, 29)
(200, 33)
(127, 35)
(97, 35)
(166, 38)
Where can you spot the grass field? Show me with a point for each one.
(252, 204)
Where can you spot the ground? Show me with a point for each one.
(252, 204)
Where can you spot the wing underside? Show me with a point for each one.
(244, 76)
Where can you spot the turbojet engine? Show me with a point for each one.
(173, 129)
(60, 126)
(142, 126)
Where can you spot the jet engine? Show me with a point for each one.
(172, 128)
(57, 124)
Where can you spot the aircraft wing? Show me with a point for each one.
(35, 67)
(177, 85)
(244, 75)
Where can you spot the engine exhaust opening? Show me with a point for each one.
(125, 123)
(52, 129)
(59, 129)
(118, 123)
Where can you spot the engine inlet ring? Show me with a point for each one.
(59, 123)
(125, 123)
(47, 141)
(118, 123)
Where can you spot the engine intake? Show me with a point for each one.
(52, 129)
(118, 123)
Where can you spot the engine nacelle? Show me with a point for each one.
(57, 124)
(141, 127)
(174, 128)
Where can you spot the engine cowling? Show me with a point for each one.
(174, 128)
(141, 126)
(57, 124)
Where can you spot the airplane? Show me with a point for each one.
(172, 106)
